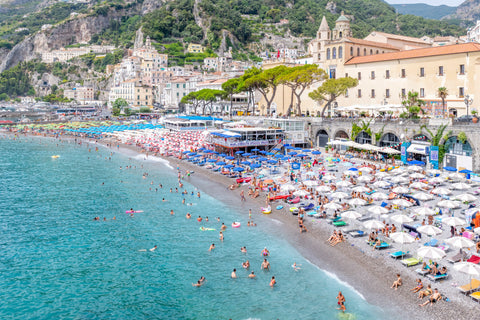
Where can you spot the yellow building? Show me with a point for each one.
(384, 79)
(195, 48)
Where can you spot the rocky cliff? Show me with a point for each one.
(469, 10)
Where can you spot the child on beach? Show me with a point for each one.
(397, 282)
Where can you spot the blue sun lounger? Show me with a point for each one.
(398, 254)
(437, 276)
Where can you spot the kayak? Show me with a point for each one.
(279, 197)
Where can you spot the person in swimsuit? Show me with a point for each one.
(425, 293)
(436, 296)
(212, 247)
(234, 274)
(265, 252)
(418, 287)
(341, 301)
(265, 264)
(397, 282)
(273, 282)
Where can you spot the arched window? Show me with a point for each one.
(358, 52)
(328, 54)
(340, 52)
(365, 52)
(351, 51)
(376, 52)
(455, 146)
(340, 34)
(371, 51)
(334, 53)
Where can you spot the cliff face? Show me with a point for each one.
(79, 30)
(469, 10)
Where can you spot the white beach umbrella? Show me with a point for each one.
(364, 178)
(460, 242)
(465, 197)
(418, 185)
(350, 173)
(310, 183)
(456, 176)
(287, 187)
(377, 210)
(434, 172)
(401, 218)
(402, 203)
(422, 196)
(402, 237)
(380, 196)
(381, 174)
(441, 191)
(448, 204)
(323, 189)
(351, 215)
(381, 184)
(361, 189)
(415, 168)
(461, 186)
(417, 175)
(424, 211)
(432, 253)
(429, 230)
(373, 224)
(344, 184)
(329, 177)
(454, 221)
(332, 206)
(340, 195)
(476, 230)
(399, 180)
(400, 190)
(365, 169)
(469, 268)
(301, 193)
(357, 202)
(436, 180)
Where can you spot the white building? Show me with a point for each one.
(473, 33)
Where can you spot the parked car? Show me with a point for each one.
(465, 118)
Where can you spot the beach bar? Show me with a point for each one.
(246, 138)
(190, 123)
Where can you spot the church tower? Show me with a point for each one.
(324, 32)
(342, 28)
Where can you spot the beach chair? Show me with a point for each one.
(431, 243)
(356, 233)
(409, 262)
(339, 223)
(458, 257)
(422, 272)
(398, 254)
(335, 219)
(475, 296)
(474, 259)
(437, 276)
(383, 245)
(469, 287)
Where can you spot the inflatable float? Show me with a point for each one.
(294, 200)
(279, 207)
(267, 210)
(206, 229)
(279, 197)
(242, 180)
(55, 157)
(133, 211)
(236, 225)
(294, 210)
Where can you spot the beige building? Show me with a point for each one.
(134, 92)
(82, 95)
(195, 48)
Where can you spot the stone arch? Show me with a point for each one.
(363, 138)
(321, 138)
(341, 134)
(454, 146)
(389, 139)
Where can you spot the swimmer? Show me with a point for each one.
(265, 265)
(265, 252)
(250, 214)
(198, 284)
(206, 219)
(153, 249)
(234, 274)
(202, 279)
(183, 201)
(221, 236)
(295, 266)
(243, 249)
(218, 219)
(341, 302)
(163, 200)
(199, 219)
(212, 247)
(223, 227)
(171, 212)
(251, 275)
(246, 264)
(273, 282)
(188, 215)
(198, 194)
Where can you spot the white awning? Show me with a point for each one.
(417, 148)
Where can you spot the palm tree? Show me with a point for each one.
(443, 93)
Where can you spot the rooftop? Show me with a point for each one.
(398, 37)
(371, 43)
(418, 53)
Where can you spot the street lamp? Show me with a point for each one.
(468, 101)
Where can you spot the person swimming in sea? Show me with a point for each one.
(188, 215)
(265, 252)
(295, 266)
(154, 248)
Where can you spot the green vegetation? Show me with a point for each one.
(413, 104)
(100, 63)
(120, 32)
(363, 126)
(118, 105)
(15, 81)
(331, 89)
(203, 99)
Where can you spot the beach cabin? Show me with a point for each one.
(182, 123)
(296, 132)
(246, 139)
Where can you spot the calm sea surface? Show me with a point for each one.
(56, 262)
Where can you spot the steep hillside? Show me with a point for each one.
(469, 10)
(424, 10)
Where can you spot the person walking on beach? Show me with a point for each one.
(341, 301)
(242, 196)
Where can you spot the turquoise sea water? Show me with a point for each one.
(56, 262)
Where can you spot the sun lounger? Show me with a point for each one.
(474, 259)
(431, 243)
(336, 219)
(310, 206)
(409, 262)
(437, 276)
(469, 287)
(456, 258)
(339, 223)
(422, 271)
(383, 245)
(475, 296)
(398, 254)
(357, 233)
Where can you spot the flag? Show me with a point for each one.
(278, 54)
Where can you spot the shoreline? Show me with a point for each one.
(369, 275)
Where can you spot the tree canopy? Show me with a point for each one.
(331, 89)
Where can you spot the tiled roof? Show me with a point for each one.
(371, 43)
(418, 53)
(399, 37)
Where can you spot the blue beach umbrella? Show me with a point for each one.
(239, 152)
(185, 152)
(263, 152)
(272, 161)
(238, 169)
(255, 150)
(253, 157)
(255, 165)
(316, 152)
(301, 155)
(221, 163)
(306, 150)
(269, 153)
(262, 159)
(292, 153)
(229, 158)
(278, 156)
(246, 154)
(465, 171)
(212, 160)
(276, 149)
(450, 169)
(247, 163)
(353, 169)
(228, 166)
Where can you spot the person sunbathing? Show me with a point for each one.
(425, 266)
(443, 270)
(436, 296)
(377, 244)
(397, 282)
(433, 268)
(425, 293)
(333, 237)
(418, 287)
(340, 238)
(256, 194)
